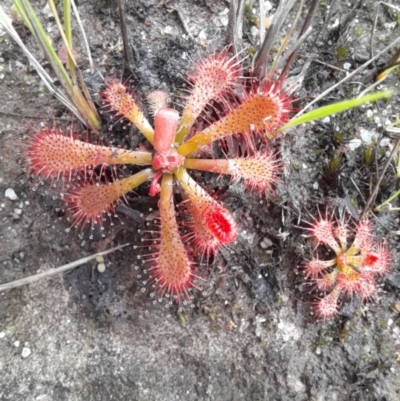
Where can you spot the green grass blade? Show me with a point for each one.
(48, 81)
(51, 54)
(23, 15)
(67, 43)
(67, 21)
(387, 201)
(335, 108)
(79, 102)
(82, 101)
(86, 111)
(68, 35)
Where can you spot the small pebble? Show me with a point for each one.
(254, 31)
(16, 344)
(10, 194)
(224, 21)
(268, 6)
(2, 334)
(371, 137)
(168, 30)
(266, 243)
(354, 143)
(25, 352)
(202, 35)
(101, 267)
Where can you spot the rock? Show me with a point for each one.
(25, 352)
(10, 194)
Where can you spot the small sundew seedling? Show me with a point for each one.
(342, 52)
(248, 12)
(339, 137)
(358, 260)
(358, 31)
(368, 154)
(334, 164)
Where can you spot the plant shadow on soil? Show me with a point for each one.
(249, 334)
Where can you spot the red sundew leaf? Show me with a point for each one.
(371, 259)
(220, 223)
(91, 202)
(349, 282)
(266, 108)
(323, 231)
(259, 171)
(377, 261)
(326, 281)
(316, 266)
(213, 77)
(172, 269)
(367, 287)
(216, 218)
(363, 238)
(198, 234)
(50, 154)
(117, 98)
(158, 100)
(327, 307)
(341, 233)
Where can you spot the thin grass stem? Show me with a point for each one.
(54, 271)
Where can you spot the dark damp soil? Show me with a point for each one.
(249, 334)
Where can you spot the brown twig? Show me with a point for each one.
(183, 21)
(235, 24)
(371, 43)
(122, 21)
(355, 72)
(322, 63)
(53, 272)
(305, 30)
(374, 193)
(260, 65)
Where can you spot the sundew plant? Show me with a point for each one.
(230, 114)
(170, 151)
